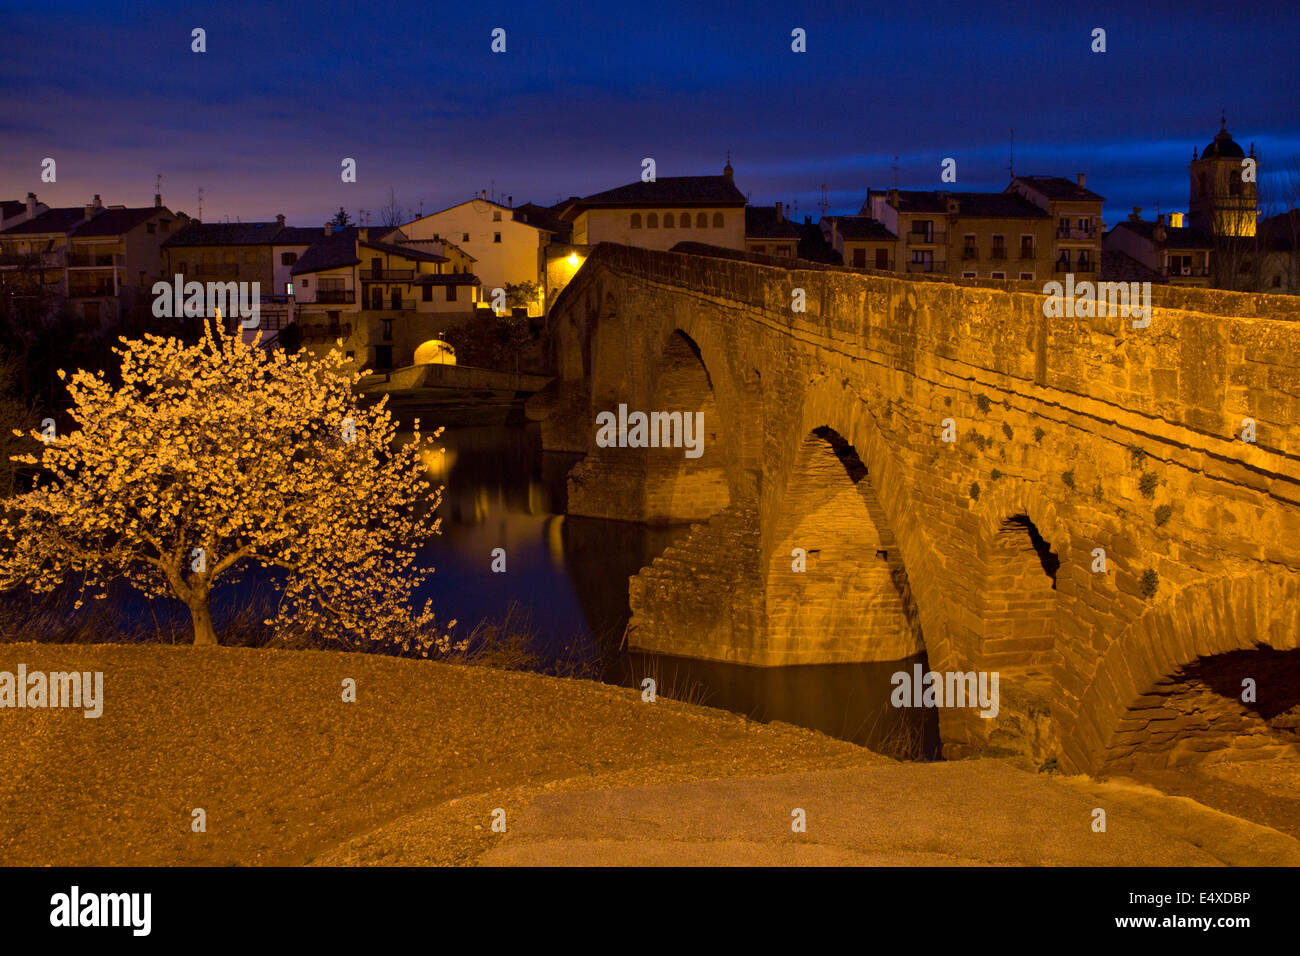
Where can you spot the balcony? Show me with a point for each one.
(33, 261)
(94, 291)
(1080, 235)
(970, 253)
(1181, 271)
(932, 238)
(999, 252)
(336, 296)
(388, 305)
(927, 267)
(388, 275)
(87, 260)
(1027, 253)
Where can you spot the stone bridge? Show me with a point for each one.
(1098, 532)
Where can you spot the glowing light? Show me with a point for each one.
(435, 352)
(573, 260)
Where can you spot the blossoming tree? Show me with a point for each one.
(212, 457)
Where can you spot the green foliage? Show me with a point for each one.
(341, 219)
(980, 441)
(1097, 491)
(1148, 483)
(984, 404)
(1068, 478)
(1136, 456)
(1038, 436)
(1150, 582)
(1162, 514)
(521, 295)
(1006, 430)
(975, 490)
(996, 474)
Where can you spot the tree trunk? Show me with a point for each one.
(204, 635)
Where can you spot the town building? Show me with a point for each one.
(861, 242)
(769, 233)
(1076, 210)
(102, 261)
(506, 250)
(972, 235)
(1180, 254)
(662, 213)
(381, 297)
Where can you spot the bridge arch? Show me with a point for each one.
(1169, 690)
(835, 579)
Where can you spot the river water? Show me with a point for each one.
(567, 577)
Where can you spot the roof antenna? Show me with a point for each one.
(1011, 156)
(200, 204)
(895, 169)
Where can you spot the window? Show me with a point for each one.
(464, 237)
(859, 258)
(288, 258)
(388, 330)
(882, 258)
(150, 228)
(1026, 275)
(303, 282)
(1277, 282)
(1026, 247)
(701, 221)
(1085, 225)
(782, 252)
(684, 220)
(717, 220)
(999, 247)
(923, 258)
(997, 275)
(496, 215)
(652, 220)
(426, 293)
(668, 220)
(922, 230)
(969, 275)
(451, 293)
(636, 220)
(496, 237)
(968, 246)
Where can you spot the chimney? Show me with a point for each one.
(780, 214)
(1135, 215)
(364, 233)
(157, 200)
(893, 197)
(279, 220)
(31, 206)
(1082, 180)
(90, 211)
(807, 220)
(1159, 233)
(483, 194)
(98, 205)
(510, 201)
(329, 228)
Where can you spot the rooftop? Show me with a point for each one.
(761, 222)
(667, 191)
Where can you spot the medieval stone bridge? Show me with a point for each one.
(1075, 438)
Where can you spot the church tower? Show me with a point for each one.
(1223, 202)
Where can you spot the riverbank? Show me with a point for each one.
(287, 772)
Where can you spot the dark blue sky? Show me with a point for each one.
(586, 90)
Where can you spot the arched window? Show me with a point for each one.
(652, 220)
(685, 222)
(717, 220)
(701, 221)
(636, 220)
(668, 220)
